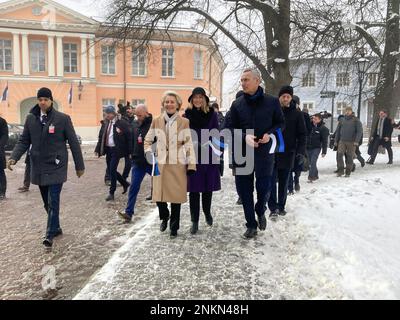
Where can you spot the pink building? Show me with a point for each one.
(43, 43)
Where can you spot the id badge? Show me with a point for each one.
(51, 129)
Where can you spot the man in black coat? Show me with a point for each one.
(3, 142)
(254, 116)
(294, 136)
(46, 132)
(140, 166)
(381, 135)
(115, 142)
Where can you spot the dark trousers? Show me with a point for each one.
(138, 174)
(359, 156)
(175, 214)
(313, 155)
(294, 179)
(277, 199)
(194, 202)
(127, 168)
(27, 174)
(51, 200)
(112, 159)
(3, 182)
(245, 190)
(375, 147)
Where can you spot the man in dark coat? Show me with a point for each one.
(46, 132)
(140, 166)
(294, 136)
(3, 142)
(115, 142)
(381, 135)
(254, 116)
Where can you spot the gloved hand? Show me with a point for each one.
(80, 173)
(11, 163)
(190, 172)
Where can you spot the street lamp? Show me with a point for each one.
(362, 64)
(80, 88)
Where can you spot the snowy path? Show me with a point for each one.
(340, 240)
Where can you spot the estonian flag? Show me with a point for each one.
(5, 94)
(278, 144)
(70, 95)
(154, 171)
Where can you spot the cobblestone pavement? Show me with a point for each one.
(92, 232)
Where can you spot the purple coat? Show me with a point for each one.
(207, 177)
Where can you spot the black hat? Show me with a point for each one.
(45, 93)
(286, 89)
(296, 99)
(201, 91)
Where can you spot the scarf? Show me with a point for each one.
(259, 93)
(169, 120)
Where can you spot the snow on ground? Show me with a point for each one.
(340, 240)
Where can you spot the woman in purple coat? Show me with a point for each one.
(207, 178)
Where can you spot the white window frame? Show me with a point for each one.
(168, 54)
(139, 62)
(307, 104)
(108, 102)
(308, 80)
(369, 78)
(343, 105)
(70, 51)
(32, 58)
(3, 49)
(108, 51)
(342, 79)
(198, 64)
(136, 102)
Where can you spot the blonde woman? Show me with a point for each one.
(169, 139)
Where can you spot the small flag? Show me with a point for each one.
(5, 94)
(155, 171)
(70, 95)
(278, 144)
(219, 143)
(214, 149)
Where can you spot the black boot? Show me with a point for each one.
(173, 234)
(194, 228)
(209, 219)
(126, 187)
(262, 222)
(164, 225)
(110, 197)
(250, 233)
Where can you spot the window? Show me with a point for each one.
(108, 59)
(309, 106)
(341, 107)
(139, 58)
(38, 56)
(5, 55)
(167, 62)
(198, 64)
(308, 79)
(136, 102)
(70, 57)
(342, 79)
(108, 102)
(372, 79)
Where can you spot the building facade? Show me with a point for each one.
(43, 43)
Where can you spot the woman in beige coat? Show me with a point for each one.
(169, 139)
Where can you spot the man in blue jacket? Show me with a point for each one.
(254, 117)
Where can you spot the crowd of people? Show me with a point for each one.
(271, 142)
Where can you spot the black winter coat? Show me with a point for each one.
(139, 133)
(3, 142)
(261, 113)
(319, 138)
(48, 153)
(294, 136)
(122, 138)
(387, 132)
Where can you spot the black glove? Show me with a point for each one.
(190, 172)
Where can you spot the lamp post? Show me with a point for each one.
(80, 88)
(362, 64)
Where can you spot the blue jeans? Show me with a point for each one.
(245, 190)
(51, 200)
(278, 201)
(313, 155)
(112, 159)
(138, 174)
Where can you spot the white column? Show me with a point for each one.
(25, 55)
(51, 60)
(84, 65)
(92, 59)
(60, 57)
(16, 54)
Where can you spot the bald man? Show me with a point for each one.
(140, 166)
